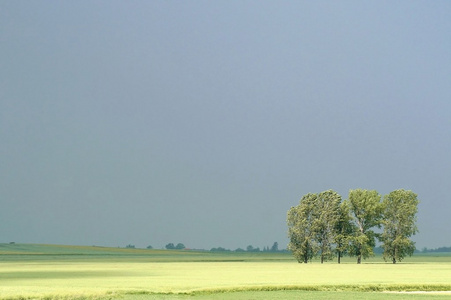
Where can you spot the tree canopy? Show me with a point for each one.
(300, 229)
(171, 246)
(312, 225)
(400, 209)
(366, 208)
(322, 225)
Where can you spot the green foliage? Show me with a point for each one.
(170, 246)
(400, 208)
(366, 208)
(436, 250)
(302, 236)
(321, 221)
(344, 231)
(327, 216)
(312, 226)
(219, 249)
(275, 247)
(250, 248)
(180, 246)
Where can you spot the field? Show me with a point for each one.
(74, 272)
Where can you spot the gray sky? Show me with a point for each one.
(203, 122)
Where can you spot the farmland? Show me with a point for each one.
(75, 272)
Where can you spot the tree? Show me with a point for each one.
(312, 225)
(366, 209)
(327, 216)
(170, 246)
(180, 246)
(250, 248)
(344, 231)
(400, 208)
(300, 231)
(219, 249)
(149, 247)
(275, 247)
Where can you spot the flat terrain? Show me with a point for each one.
(74, 272)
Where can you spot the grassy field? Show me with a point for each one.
(73, 272)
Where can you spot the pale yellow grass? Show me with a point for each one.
(100, 278)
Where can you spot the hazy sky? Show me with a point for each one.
(203, 122)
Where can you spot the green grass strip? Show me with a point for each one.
(310, 288)
(238, 289)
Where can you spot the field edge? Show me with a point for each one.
(309, 288)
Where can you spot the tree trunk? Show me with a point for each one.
(339, 256)
(394, 255)
(359, 257)
(322, 258)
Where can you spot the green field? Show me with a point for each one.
(74, 272)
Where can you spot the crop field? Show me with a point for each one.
(74, 272)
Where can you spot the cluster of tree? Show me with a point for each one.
(436, 250)
(220, 249)
(130, 246)
(323, 225)
(250, 248)
(274, 248)
(171, 246)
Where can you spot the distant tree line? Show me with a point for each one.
(171, 246)
(250, 248)
(324, 226)
(436, 250)
(274, 248)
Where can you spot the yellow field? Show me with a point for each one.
(146, 273)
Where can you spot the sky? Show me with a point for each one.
(203, 122)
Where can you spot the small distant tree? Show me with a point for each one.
(180, 246)
(275, 247)
(400, 209)
(250, 248)
(149, 247)
(170, 246)
(219, 249)
(366, 209)
(239, 250)
(130, 246)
